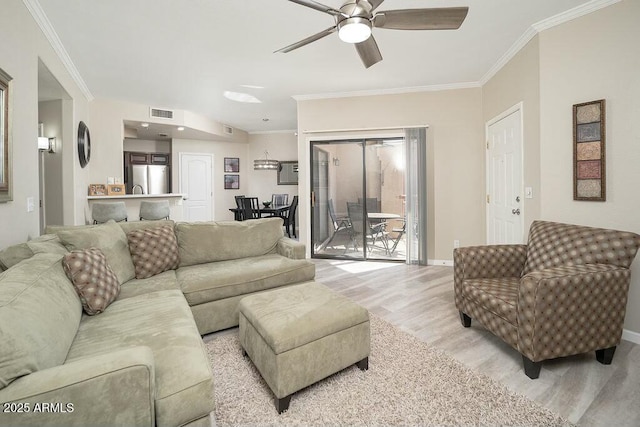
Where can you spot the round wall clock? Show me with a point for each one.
(84, 144)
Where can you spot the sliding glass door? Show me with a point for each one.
(358, 199)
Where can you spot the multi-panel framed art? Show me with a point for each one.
(589, 172)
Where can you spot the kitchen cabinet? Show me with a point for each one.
(160, 158)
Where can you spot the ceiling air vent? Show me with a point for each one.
(227, 130)
(161, 114)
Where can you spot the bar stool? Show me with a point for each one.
(154, 210)
(103, 212)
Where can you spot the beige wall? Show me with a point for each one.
(262, 184)
(50, 115)
(519, 81)
(593, 57)
(22, 44)
(456, 182)
(222, 199)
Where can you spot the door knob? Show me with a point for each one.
(518, 199)
(515, 211)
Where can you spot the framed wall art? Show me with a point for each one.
(589, 166)
(97, 190)
(232, 182)
(115, 190)
(231, 164)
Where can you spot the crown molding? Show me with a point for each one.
(574, 13)
(269, 132)
(394, 91)
(520, 43)
(33, 6)
(540, 26)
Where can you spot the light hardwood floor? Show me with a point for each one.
(419, 300)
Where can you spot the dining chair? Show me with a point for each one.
(279, 199)
(290, 218)
(250, 208)
(154, 210)
(363, 227)
(103, 212)
(238, 213)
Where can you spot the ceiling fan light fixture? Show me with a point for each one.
(354, 30)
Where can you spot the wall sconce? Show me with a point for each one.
(336, 161)
(47, 144)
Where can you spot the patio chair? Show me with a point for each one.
(363, 227)
(341, 227)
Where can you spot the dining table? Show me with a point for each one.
(265, 211)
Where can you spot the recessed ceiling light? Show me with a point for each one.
(252, 86)
(181, 128)
(144, 125)
(241, 97)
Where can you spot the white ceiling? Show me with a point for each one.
(185, 54)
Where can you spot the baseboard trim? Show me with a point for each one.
(628, 335)
(447, 262)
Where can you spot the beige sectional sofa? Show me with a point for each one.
(141, 361)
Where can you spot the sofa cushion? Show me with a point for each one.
(499, 296)
(39, 316)
(128, 226)
(153, 250)
(160, 282)
(13, 254)
(213, 281)
(109, 238)
(203, 242)
(163, 322)
(48, 243)
(553, 244)
(94, 281)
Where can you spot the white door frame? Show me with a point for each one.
(213, 178)
(517, 107)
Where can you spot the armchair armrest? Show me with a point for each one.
(488, 261)
(291, 248)
(116, 388)
(571, 309)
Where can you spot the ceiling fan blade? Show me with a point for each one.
(375, 3)
(317, 6)
(308, 40)
(369, 52)
(446, 18)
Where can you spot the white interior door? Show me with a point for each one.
(195, 184)
(504, 179)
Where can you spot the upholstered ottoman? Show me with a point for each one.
(301, 334)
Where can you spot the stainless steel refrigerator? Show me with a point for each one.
(148, 179)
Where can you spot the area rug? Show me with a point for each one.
(408, 383)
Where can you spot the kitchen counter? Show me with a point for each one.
(132, 204)
(138, 196)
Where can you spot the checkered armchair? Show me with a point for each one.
(563, 293)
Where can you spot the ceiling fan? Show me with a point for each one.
(355, 18)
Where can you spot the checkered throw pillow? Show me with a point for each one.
(94, 281)
(153, 250)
